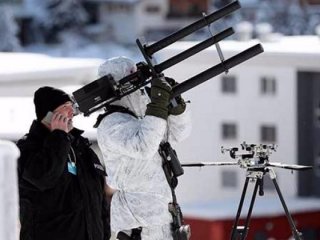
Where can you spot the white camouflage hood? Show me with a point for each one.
(120, 67)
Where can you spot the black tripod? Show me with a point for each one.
(255, 159)
(257, 175)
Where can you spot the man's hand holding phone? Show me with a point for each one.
(59, 121)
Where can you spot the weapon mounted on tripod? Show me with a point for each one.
(251, 157)
(105, 90)
(255, 159)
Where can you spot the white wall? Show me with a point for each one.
(248, 108)
(121, 24)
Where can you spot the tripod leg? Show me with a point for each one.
(245, 230)
(235, 224)
(296, 234)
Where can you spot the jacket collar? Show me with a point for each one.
(76, 132)
(39, 130)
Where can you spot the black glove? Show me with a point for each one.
(177, 105)
(160, 96)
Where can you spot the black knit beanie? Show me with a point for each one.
(48, 99)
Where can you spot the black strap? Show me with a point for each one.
(123, 236)
(172, 180)
(135, 235)
(112, 109)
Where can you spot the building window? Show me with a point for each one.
(310, 232)
(268, 85)
(261, 235)
(187, 8)
(228, 84)
(119, 8)
(229, 131)
(315, 2)
(152, 9)
(125, 8)
(317, 165)
(229, 178)
(10, 1)
(92, 10)
(268, 134)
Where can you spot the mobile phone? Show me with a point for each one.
(47, 119)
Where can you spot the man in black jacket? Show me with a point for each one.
(61, 180)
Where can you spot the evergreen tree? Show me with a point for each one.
(60, 15)
(288, 17)
(8, 30)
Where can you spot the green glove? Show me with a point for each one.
(160, 96)
(177, 106)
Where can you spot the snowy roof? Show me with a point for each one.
(307, 45)
(263, 207)
(283, 50)
(28, 66)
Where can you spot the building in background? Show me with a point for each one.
(126, 20)
(272, 98)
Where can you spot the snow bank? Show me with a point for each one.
(8, 191)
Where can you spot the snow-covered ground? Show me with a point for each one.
(9, 207)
